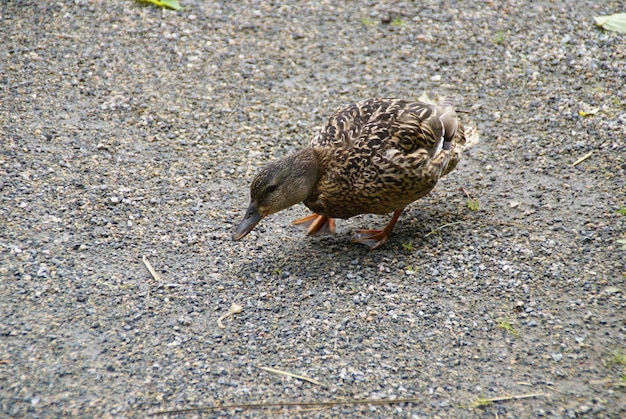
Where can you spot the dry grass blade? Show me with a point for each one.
(66, 35)
(154, 273)
(433, 231)
(318, 405)
(288, 374)
(582, 159)
(483, 401)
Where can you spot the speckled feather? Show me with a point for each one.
(379, 155)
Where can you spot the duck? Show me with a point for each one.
(375, 156)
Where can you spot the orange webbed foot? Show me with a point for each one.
(376, 238)
(372, 238)
(316, 224)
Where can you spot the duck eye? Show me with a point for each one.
(271, 189)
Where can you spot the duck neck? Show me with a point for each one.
(306, 168)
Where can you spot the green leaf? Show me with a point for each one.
(588, 112)
(615, 23)
(473, 204)
(505, 324)
(169, 4)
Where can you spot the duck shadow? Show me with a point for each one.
(294, 255)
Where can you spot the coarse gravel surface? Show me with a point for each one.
(131, 131)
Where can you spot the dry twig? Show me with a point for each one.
(299, 377)
(582, 159)
(482, 401)
(319, 405)
(154, 273)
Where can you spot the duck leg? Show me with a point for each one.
(376, 238)
(315, 224)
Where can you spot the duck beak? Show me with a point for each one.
(252, 218)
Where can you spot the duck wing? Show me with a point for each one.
(379, 155)
(405, 124)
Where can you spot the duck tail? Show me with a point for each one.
(448, 119)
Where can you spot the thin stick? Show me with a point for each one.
(154, 273)
(485, 401)
(582, 159)
(288, 404)
(517, 397)
(66, 35)
(284, 411)
(299, 377)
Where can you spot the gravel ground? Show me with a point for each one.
(128, 131)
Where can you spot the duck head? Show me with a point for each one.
(278, 186)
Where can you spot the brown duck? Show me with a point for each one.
(375, 156)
